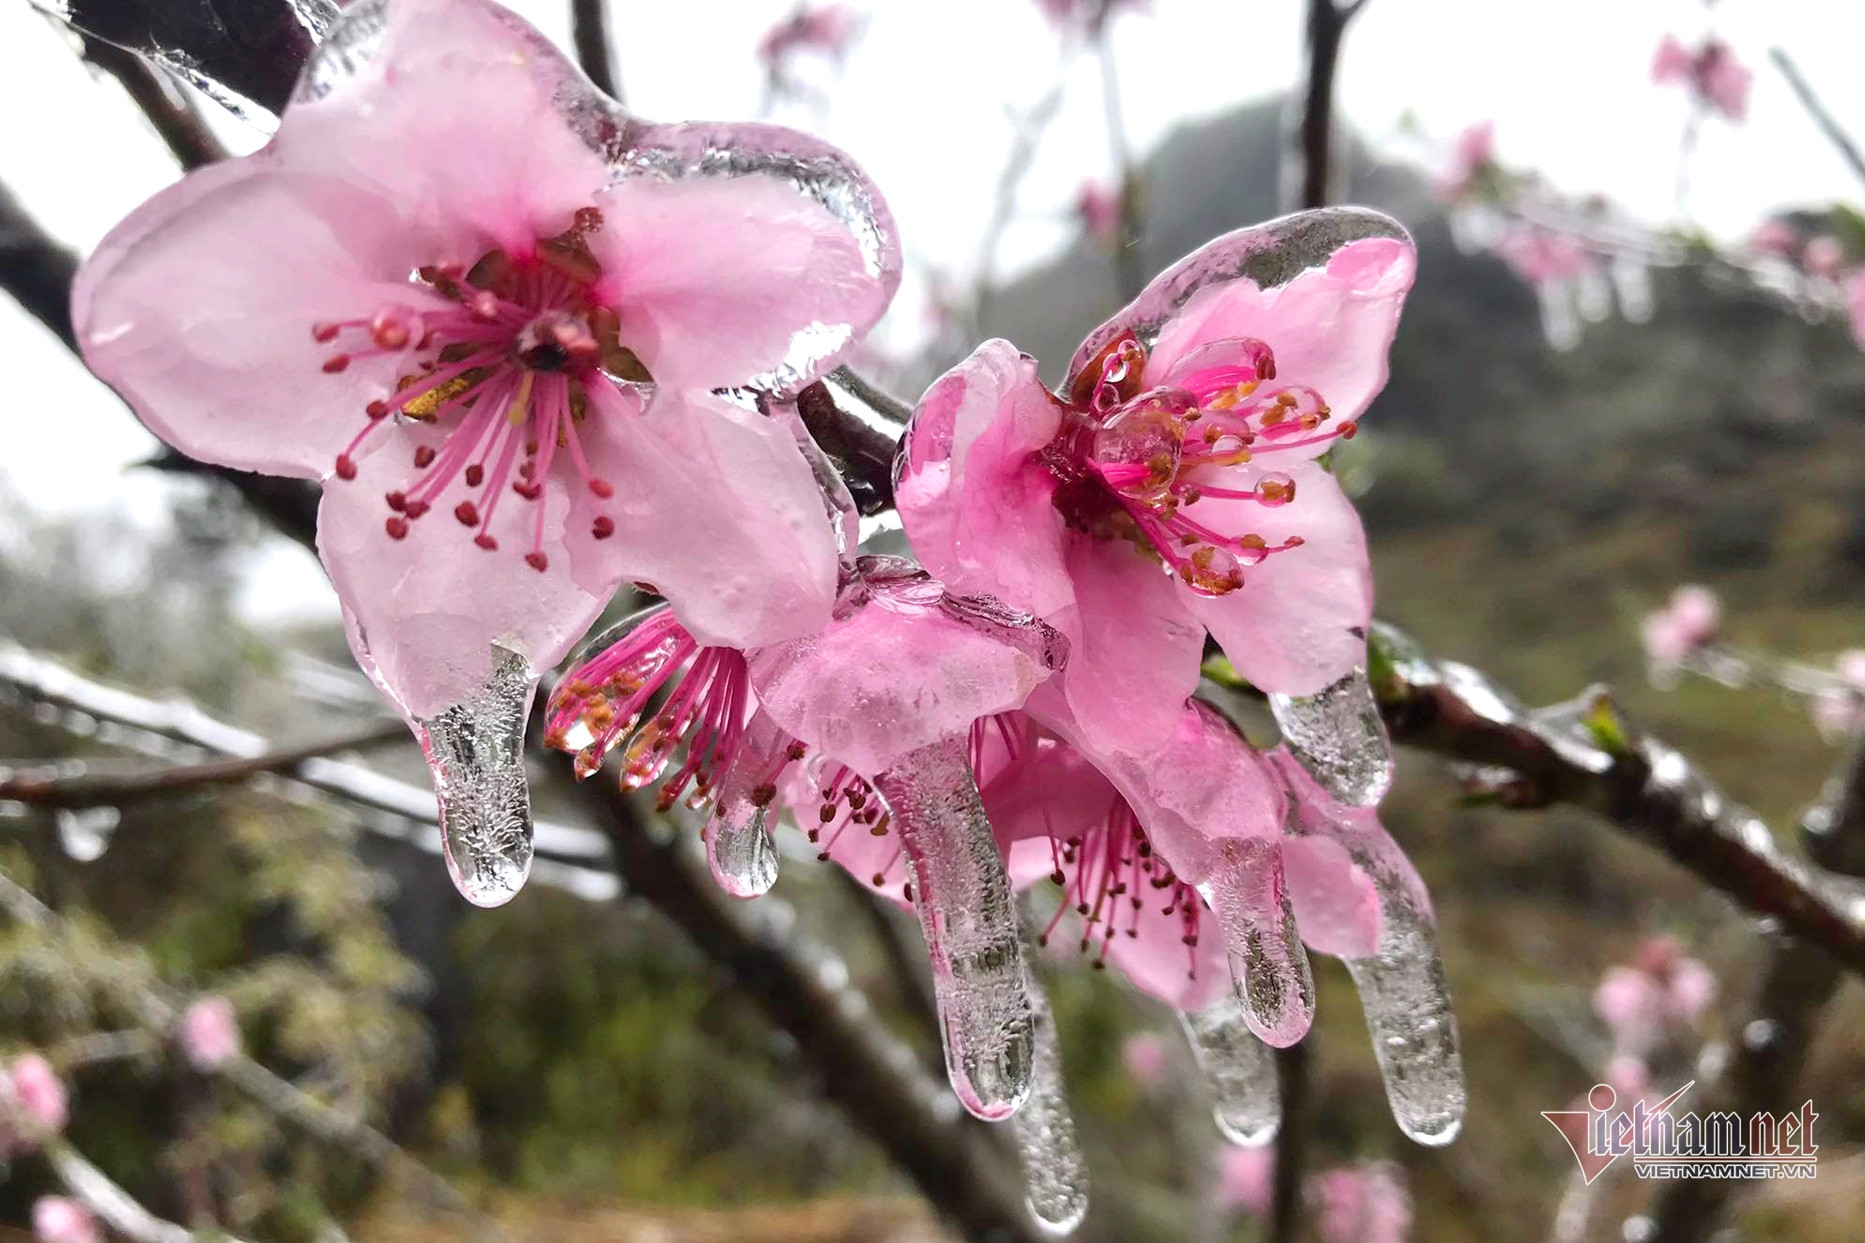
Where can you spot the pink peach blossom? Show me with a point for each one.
(1629, 1077)
(1774, 237)
(1171, 487)
(1541, 256)
(1245, 1179)
(1655, 998)
(1098, 209)
(1472, 155)
(826, 29)
(33, 1104)
(488, 309)
(1823, 256)
(56, 1219)
(1089, 15)
(1367, 1203)
(1712, 73)
(1687, 622)
(210, 1033)
(1144, 1057)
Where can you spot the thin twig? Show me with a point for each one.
(1129, 277)
(1327, 22)
(1829, 125)
(50, 788)
(1295, 1080)
(160, 1009)
(173, 115)
(114, 1206)
(1026, 136)
(589, 30)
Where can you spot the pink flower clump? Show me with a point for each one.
(1170, 487)
(1472, 154)
(824, 29)
(493, 314)
(1367, 1203)
(1712, 73)
(1823, 256)
(1098, 209)
(1654, 998)
(34, 1104)
(210, 1033)
(1144, 1057)
(1542, 256)
(1245, 1179)
(1687, 623)
(56, 1219)
(1840, 711)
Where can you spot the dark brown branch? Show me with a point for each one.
(960, 1172)
(45, 788)
(863, 453)
(1584, 754)
(1797, 981)
(1829, 125)
(589, 30)
(1295, 1080)
(1327, 22)
(253, 47)
(176, 120)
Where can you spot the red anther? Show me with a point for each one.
(586, 220)
(475, 475)
(377, 409)
(486, 542)
(537, 561)
(1294, 541)
(397, 528)
(530, 491)
(531, 447)
(424, 457)
(346, 466)
(324, 333)
(398, 501)
(336, 363)
(467, 513)
(602, 527)
(416, 509)
(601, 488)
(1348, 430)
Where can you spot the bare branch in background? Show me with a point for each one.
(49, 787)
(589, 30)
(1295, 1081)
(1129, 275)
(160, 1010)
(1829, 125)
(114, 1206)
(173, 115)
(1026, 136)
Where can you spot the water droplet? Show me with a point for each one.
(85, 833)
(1055, 1173)
(738, 837)
(475, 752)
(1239, 1070)
(970, 925)
(1250, 897)
(1338, 737)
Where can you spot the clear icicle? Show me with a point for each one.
(1055, 1174)
(970, 925)
(1239, 1070)
(1250, 896)
(739, 846)
(475, 751)
(1337, 735)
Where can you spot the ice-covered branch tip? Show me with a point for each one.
(1585, 754)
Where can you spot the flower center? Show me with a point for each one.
(600, 705)
(502, 358)
(1130, 464)
(1105, 875)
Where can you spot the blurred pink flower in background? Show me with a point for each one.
(56, 1219)
(1367, 1203)
(1840, 712)
(1685, 624)
(1098, 209)
(210, 1033)
(1855, 305)
(828, 30)
(1823, 256)
(1629, 1077)
(1144, 1056)
(1714, 75)
(1472, 153)
(1540, 256)
(1655, 997)
(1774, 237)
(1245, 1179)
(36, 1103)
(1088, 15)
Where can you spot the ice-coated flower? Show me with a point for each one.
(1245, 1179)
(1143, 1056)
(1472, 155)
(56, 1219)
(33, 1101)
(1170, 486)
(1823, 256)
(1098, 209)
(1655, 998)
(210, 1033)
(1366, 1203)
(490, 311)
(1713, 74)
(1687, 622)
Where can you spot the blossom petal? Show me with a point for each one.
(426, 609)
(1299, 622)
(714, 507)
(1322, 288)
(979, 513)
(762, 277)
(1134, 646)
(198, 309)
(1337, 906)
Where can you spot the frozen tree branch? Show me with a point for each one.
(175, 119)
(1327, 22)
(49, 787)
(160, 1009)
(589, 30)
(1295, 1082)
(1829, 125)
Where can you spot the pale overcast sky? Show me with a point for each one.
(922, 105)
